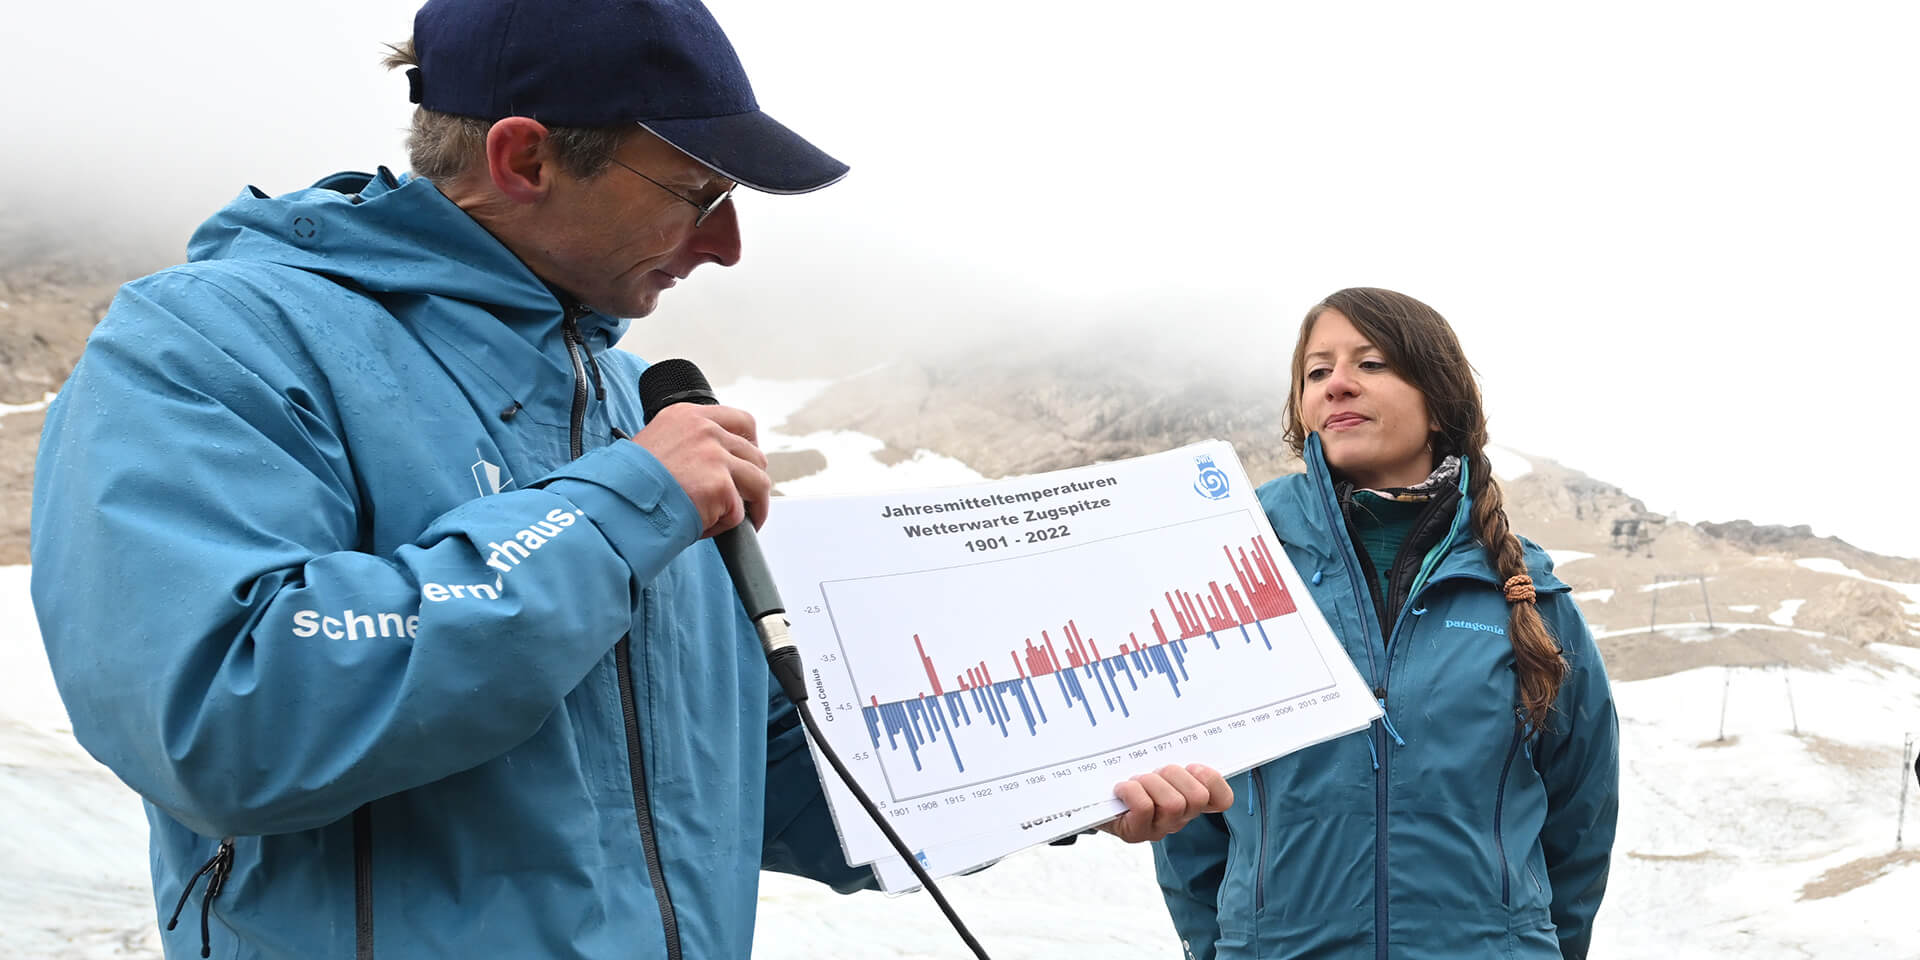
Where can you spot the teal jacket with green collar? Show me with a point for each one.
(1446, 830)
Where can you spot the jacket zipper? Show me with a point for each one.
(1260, 865)
(217, 868)
(363, 882)
(1499, 803)
(642, 812)
(623, 665)
(578, 425)
(1347, 555)
(1377, 733)
(1337, 521)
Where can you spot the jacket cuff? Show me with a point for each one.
(636, 504)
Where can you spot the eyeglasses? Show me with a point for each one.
(706, 209)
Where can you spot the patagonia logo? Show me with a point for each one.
(1477, 626)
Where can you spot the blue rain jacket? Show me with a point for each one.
(1444, 831)
(336, 554)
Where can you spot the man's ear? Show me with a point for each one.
(517, 161)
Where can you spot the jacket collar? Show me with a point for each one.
(402, 242)
(1303, 508)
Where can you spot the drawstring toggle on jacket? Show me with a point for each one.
(1387, 722)
(220, 864)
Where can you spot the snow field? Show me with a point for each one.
(1717, 840)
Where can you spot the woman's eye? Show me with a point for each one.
(1373, 365)
(1317, 373)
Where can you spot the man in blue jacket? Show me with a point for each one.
(354, 557)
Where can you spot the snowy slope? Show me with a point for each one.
(1769, 844)
(1720, 853)
(73, 840)
(851, 464)
(1722, 842)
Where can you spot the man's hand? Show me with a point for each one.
(1162, 802)
(712, 452)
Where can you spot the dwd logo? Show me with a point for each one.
(1213, 482)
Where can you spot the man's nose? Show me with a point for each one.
(718, 239)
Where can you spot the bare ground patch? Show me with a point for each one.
(1847, 755)
(1643, 656)
(890, 455)
(19, 441)
(1694, 857)
(787, 465)
(1857, 874)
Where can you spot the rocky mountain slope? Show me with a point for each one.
(1756, 803)
(1662, 595)
(55, 283)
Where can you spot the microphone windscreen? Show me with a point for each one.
(673, 381)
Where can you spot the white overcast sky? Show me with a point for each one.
(1677, 239)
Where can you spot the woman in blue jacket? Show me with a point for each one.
(1476, 818)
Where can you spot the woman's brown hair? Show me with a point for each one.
(1422, 349)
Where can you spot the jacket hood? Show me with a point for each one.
(393, 237)
(1303, 513)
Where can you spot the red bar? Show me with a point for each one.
(1190, 623)
(1240, 608)
(1256, 592)
(927, 662)
(1037, 660)
(1182, 614)
(1240, 571)
(1076, 655)
(1267, 591)
(1217, 616)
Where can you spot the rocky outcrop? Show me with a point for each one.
(46, 312)
(1045, 399)
(1645, 582)
(1071, 405)
(19, 440)
(1859, 612)
(1800, 541)
(52, 292)
(56, 279)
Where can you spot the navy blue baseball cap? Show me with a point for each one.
(662, 64)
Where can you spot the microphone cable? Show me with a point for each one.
(788, 673)
(679, 381)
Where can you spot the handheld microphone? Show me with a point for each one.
(679, 381)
